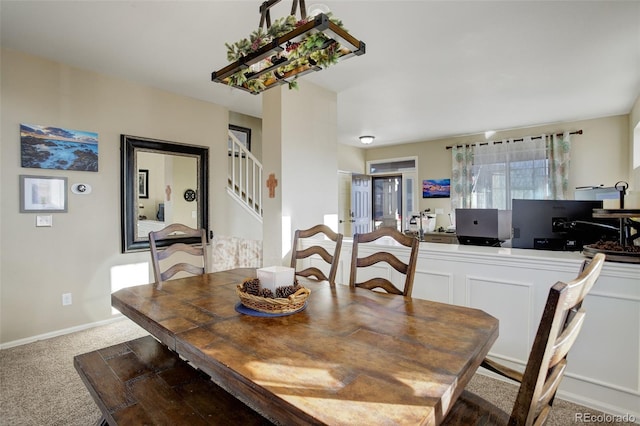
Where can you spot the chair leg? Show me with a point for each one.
(102, 422)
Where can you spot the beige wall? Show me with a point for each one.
(599, 155)
(154, 164)
(179, 173)
(302, 153)
(76, 255)
(634, 148)
(351, 159)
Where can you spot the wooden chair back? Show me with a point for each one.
(407, 269)
(163, 269)
(331, 259)
(559, 326)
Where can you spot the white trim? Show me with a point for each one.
(392, 160)
(62, 332)
(244, 205)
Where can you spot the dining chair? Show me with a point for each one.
(331, 259)
(192, 259)
(559, 326)
(407, 269)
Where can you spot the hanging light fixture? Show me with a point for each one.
(286, 50)
(367, 140)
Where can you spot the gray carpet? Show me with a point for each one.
(39, 385)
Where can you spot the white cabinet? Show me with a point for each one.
(512, 285)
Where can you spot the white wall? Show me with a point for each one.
(300, 148)
(78, 253)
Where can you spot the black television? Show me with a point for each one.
(565, 225)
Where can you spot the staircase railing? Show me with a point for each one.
(244, 176)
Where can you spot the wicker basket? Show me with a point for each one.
(278, 305)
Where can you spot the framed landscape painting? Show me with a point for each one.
(436, 188)
(48, 147)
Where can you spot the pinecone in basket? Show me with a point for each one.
(251, 286)
(288, 290)
(614, 246)
(266, 293)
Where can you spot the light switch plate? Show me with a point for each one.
(44, 220)
(66, 299)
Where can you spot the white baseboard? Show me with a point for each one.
(57, 333)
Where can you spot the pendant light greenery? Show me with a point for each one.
(314, 50)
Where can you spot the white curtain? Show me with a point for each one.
(559, 154)
(505, 170)
(461, 177)
(490, 175)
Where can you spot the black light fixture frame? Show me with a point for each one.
(350, 46)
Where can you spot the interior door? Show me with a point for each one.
(344, 204)
(360, 204)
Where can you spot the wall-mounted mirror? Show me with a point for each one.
(162, 183)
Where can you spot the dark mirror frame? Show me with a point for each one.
(129, 146)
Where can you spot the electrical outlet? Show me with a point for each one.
(44, 220)
(439, 211)
(66, 299)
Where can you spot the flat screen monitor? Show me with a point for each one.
(160, 214)
(558, 224)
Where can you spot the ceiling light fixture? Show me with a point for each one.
(286, 50)
(367, 140)
(318, 8)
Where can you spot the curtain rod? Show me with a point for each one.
(577, 132)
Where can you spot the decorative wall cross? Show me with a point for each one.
(272, 182)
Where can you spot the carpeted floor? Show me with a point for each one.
(39, 385)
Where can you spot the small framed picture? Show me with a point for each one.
(43, 194)
(143, 183)
(436, 188)
(243, 134)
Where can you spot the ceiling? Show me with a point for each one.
(433, 69)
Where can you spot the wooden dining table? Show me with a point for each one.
(351, 356)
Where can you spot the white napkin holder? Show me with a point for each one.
(273, 277)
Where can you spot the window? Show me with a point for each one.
(490, 175)
(392, 166)
(506, 171)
